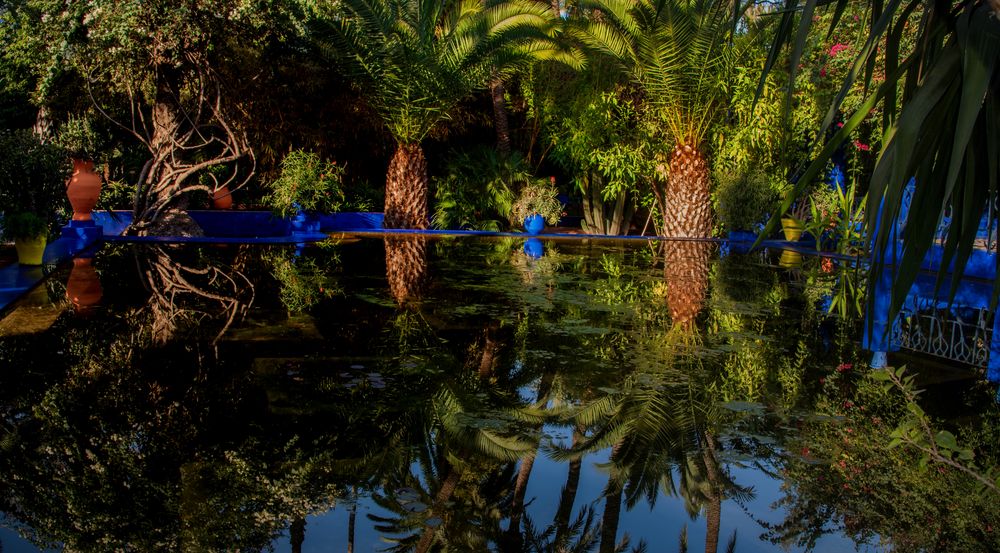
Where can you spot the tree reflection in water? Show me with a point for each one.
(432, 403)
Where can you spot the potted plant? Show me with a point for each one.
(78, 138)
(31, 191)
(308, 185)
(537, 204)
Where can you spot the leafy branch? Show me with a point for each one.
(916, 431)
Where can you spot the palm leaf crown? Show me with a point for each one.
(676, 50)
(416, 59)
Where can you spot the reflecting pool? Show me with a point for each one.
(458, 394)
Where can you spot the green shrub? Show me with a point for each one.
(78, 137)
(743, 200)
(16, 226)
(478, 188)
(306, 183)
(32, 176)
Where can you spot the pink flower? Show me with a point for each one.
(822, 72)
(861, 146)
(838, 48)
(840, 124)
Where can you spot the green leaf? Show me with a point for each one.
(946, 440)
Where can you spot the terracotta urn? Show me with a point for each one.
(83, 188)
(83, 288)
(222, 198)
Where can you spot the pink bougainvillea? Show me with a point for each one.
(838, 48)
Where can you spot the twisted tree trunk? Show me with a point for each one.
(687, 203)
(406, 189)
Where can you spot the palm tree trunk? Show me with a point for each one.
(568, 496)
(685, 271)
(351, 523)
(612, 513)
(687, 203)
(406, 188)
(713, 516)
(524, 471)
(500, 120)
(442, 497)
(406, 267)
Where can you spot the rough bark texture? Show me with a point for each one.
(685, 271)
(406, 267)
(687, 202)
(500, 121)
(406, 189)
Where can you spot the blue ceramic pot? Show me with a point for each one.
(533, 224)
(534, 248)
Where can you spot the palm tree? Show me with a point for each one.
(416, 59)
(678, 52)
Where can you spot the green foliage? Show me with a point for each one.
(746, 199)
(78, 137)
(478, 189)
(303, 281)
(940, 109)
(537, 196)
(32, 175)
(417, 60)
(23, 225)
(306, 183)
(678, 52)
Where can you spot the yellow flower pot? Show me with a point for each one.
(30, 250)
(792, 229)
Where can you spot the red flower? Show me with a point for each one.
(822, 71)
(861, 146)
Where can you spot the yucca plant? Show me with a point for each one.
(941, 121)
(679, 53)
(416, 59)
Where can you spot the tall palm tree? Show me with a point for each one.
(416, 59)
(678, 52)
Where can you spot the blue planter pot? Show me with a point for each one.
(533, 224)
(534, 248)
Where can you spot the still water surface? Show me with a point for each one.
(462, 395)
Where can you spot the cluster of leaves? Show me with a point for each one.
(745, 200)
(478, 189)
(307, 183)
(853, 469)
(304, 282)
(539, 197)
